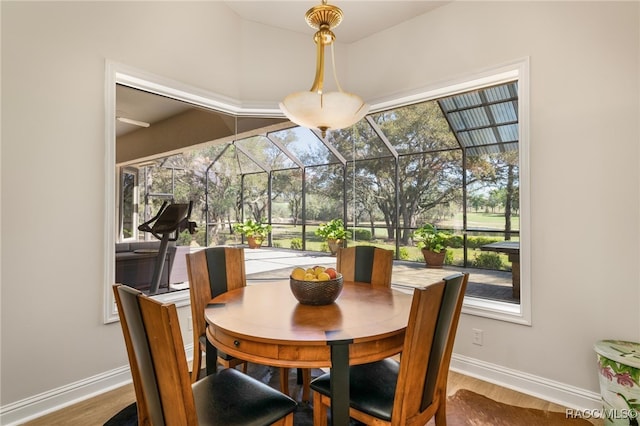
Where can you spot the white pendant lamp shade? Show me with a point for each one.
(314, 108)
(333, 110)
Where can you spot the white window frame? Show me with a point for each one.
(517, 70)
(116, 73)
(512, 71)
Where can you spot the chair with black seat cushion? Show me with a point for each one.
(212, 271)
(413, 390)
(367, 264)
(164, 392)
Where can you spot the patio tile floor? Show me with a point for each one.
(268, 264)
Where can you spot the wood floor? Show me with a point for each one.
(97, 410)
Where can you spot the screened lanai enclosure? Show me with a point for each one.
(452, 162)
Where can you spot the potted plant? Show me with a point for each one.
(432, 243)
(334, 233)
(255, 230)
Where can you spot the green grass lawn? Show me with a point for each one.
(283, 235)
(482, 221)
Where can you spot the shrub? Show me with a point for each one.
(404, 253)
(220, 240)
(448, 258)
(474, 242)
(184, 239)
(487, 261)
(455, 241)
(296, 243)
(361, 234)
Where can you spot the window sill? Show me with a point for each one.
(494, 309)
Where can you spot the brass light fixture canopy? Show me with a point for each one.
(324, 14)
(315, 109)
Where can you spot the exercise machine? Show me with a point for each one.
(166, 226)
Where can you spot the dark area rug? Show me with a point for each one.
(464, 408)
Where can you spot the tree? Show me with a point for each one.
(476, 202)
(429, 168)
(287, 186)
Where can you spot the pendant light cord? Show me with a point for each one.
(333, 66)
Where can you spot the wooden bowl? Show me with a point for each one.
(316, 292)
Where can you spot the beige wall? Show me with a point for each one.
(584, 77)
(584, 160)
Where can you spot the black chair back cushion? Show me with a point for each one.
(364, 263)
(135, 326)
(217, 267)
(443, 327)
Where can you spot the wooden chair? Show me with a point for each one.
(413, 390)
(366, 264)
(211, 272)
(164, 392)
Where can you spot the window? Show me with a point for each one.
(128, 204)
(455, 157)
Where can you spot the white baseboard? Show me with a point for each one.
(47, 402)
(39, 405)
(56, 399)
(539, 387)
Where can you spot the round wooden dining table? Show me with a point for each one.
(265, 324)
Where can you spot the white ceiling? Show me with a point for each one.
(361, 18)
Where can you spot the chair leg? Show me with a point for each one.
(306, 379)
(286, 421)
(319, 410)
(244, 367)
(441, 414)
(284, 380)
(197, 361)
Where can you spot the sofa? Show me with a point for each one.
(136, 262)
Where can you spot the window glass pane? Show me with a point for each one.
(452, 162)
(129, 204)
(493, 217)
(504, 112)
(432, 187)
(416, 128)
(305, 145)
(358, 142)
(493, 192)
(497, 272)
(286, 198)
(484, 116)
(371, 200)
(265, 152)
(323, 201)
(223, 189)
(286, 209)
(255, 198)
(247, 163)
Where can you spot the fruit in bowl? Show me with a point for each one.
(315, 286)
(317, 273)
